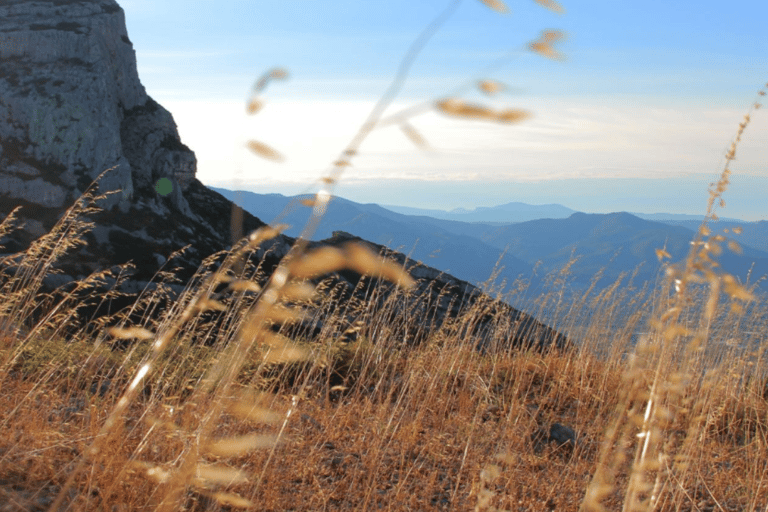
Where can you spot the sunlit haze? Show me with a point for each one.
(636, 118)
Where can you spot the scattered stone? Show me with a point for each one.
(563, 437)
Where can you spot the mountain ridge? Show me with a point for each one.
(613, 244)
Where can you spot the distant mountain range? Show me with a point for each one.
(520, 212)
(501, 214)
(753, 234)
(455, 253)
(616, 244)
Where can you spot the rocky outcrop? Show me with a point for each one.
(71, 107)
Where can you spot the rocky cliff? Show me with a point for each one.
(71, 107)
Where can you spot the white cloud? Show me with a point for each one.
(563, 140)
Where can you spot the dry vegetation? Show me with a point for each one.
(203, 403)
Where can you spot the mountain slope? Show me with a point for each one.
(615, 243)
(461, 255)
(753, 234)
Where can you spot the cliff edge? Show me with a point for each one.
(71, 107)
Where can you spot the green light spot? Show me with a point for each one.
(163, 186)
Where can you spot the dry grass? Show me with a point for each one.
(217, 401)
(371, 424)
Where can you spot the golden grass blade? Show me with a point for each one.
(551, 5)
(459, 108)
(286, 353)
(414, 136)
(264, 151)
(211, 305)
(496, 5)
(736, 290)
(662, 253)
(275, 340)
(230, 499)
(546, 50)
(260, 84)
(220, 474)
(282, 315)
(156, 473)
(734, 247)
(266, 233)
(308, 202)
(240, 445)
(254, 413)
(365, 262)
(155, 422)
(244, 286)
(253, 330)
(278, 74)
(274, 74)
(318, 262)
(543, 46)
(551, 36)
(490, 87)
(297, 292)
(254, 106)
(513, 116)
(138, 333)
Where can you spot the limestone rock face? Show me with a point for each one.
(72, 106)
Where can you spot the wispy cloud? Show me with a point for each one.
(562, 141)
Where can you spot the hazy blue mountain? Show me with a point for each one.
(614, 244)
(664, 217)
(501, 214)
(460, 255)
(753, 234)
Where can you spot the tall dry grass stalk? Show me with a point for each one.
(669, 377)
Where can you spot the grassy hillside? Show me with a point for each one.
(182, 412)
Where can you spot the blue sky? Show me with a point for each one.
(637, 118)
